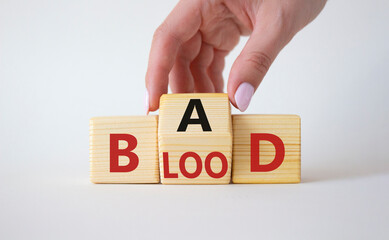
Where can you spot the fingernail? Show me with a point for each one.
(147, 102)
(243, 96)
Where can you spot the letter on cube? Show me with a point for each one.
(195, 138)
(124, 149)
(266, 149)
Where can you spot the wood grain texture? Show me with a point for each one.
(286, 127)
(218, 112)
(144, 129)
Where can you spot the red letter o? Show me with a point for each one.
(208, 168)
(199, 165)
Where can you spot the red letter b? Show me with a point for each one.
(115, 152)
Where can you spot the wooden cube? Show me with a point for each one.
(124, 149)
(195, 138)
(266, 149)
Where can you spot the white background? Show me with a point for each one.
(62, 62)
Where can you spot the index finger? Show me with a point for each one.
(180, 25)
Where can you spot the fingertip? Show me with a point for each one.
(147, 102)
(231, 98)
(232, 86)
(242, 84)
(243, 96)
(153, 103)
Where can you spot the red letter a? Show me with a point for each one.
(278, 159)
(115, 152)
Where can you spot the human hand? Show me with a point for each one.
(189, 47)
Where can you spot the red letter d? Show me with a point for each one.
(278, 159)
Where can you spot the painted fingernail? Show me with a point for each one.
(147, 102)
(243, 96)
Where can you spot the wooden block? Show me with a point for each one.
(251, 130)
(124, 149)
(192, 151)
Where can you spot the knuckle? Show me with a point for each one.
(282, 21)
(163, 32)
(160, 31)
(260, 61)
(285, 22)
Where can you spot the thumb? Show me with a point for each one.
(248, 70)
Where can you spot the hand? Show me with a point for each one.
(189, 48)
